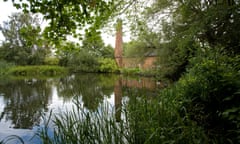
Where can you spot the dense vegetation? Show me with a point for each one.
(25, 44)
(198, 48)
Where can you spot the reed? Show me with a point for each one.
(143, 120)
(82, 126)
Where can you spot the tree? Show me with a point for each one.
(23, 43)
(94, 45)
(67, 17)
(185, 28)
(65, 51)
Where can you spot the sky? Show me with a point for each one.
(7, 9)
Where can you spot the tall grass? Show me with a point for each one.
(82, 126)
(143, 120)
(162, 120)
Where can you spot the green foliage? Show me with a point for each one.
(134, 49)
(119, 25)
(107, 52)
(84, 58)
(23, 44)
(143, 120)
(94, 45)
(130, 71)
(211, 91)
(83, 62)
(107, 65)
(4, 67)
(178, 29)
(51, 61)
(138, 72)
(82, 126)
(158, 120)
(37, 70)
(65, 51)
(67, 17)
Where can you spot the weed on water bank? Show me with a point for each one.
(142, 120)
(139, 119)
(37, 70)
(4, 67)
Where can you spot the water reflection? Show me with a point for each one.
(91, 88)
(24, 101)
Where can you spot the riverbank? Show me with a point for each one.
(41, 70)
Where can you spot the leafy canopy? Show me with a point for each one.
(187, 28)
(67, 17)
(23, 43)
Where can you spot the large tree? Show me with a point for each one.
(95, 46)
(23, 42)
(67, 17)
(186, 27)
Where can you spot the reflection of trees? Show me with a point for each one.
(92, 87)
(25, 101)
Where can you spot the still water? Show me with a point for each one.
(24, 102)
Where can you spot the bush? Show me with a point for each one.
(130, 71)
(4, 67)
(51, 61)
(107, 65)
(212, 95)
(83, 62)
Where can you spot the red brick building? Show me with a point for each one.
(146, 62)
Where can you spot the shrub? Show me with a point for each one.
(51, 61)
(107, 65)
(130, 71)
(4, 67)
(212, 91)
(83, 62)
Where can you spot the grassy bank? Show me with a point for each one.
(43, 70)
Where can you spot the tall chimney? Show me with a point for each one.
(118, 44)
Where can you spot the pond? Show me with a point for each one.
(24, 102)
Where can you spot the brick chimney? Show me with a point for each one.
(118, 52)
